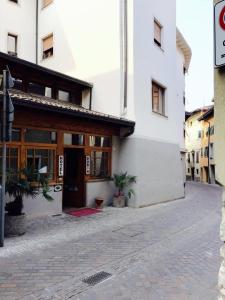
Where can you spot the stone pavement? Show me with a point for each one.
(168, 251)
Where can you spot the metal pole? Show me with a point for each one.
(2, 203)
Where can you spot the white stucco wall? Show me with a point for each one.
(19, 19)
(86, 46)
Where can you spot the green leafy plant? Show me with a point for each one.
(123, 181)
(25, 182)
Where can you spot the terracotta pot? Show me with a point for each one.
(119, 201)
(99, 202)
(15, 225)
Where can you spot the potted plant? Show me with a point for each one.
(25, 182)
(122, 182)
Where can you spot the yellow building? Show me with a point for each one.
(196, 138)
(207, 163)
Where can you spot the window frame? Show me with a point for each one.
(43, 51)
(12, 35)
(157, 42)
(91, 149)
(163, 93)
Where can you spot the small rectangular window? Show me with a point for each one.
(46, 3)
(158, 99)
(73, 139)
(12, 44)
(100, 164)
(40, 136)
(99, 141)
(48, 46)
(63, 95)
(157, 33)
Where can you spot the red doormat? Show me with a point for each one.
(84, 212)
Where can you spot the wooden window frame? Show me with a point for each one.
(89, 149)
(163, 93)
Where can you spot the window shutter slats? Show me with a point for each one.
(48, 43)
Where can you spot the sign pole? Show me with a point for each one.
(2, 202)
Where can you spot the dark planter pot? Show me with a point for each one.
(15, 225)
(99, 202)
(119, 201)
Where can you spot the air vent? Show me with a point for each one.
(96, 278)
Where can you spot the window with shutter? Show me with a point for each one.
(46, 3)
(158, 99)
(157, 33)
(48, 46)
(12, 44)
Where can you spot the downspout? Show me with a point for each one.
(36, 54)
(124, 53)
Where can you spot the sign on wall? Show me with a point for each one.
(88, 165)
(219, 33)
(61, 165)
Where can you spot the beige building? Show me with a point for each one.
(194, 134)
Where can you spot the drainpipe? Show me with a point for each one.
(36, 54)
(124, 53)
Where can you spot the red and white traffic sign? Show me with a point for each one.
(219, 33)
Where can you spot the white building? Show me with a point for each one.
(136, 59)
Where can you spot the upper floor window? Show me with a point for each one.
(158, 99)
(47, 46)
(157, 33)
(12, 44)
(46, 3)
(63, 95)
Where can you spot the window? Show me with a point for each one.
(12, 44)
(206, 151)
(197, 157)
(42, 161)
(12, 155)
(100, 164)
(46, 3)
(15, 1)
(99, 141)
(16, 135)
(199, 134)
(48, 46)
(63, 95)
(197, 171)
(157, 33)
(211, 151)
(158, 99)
(188, 158)
(212, 130)
(188, 170)
(201, 152)
(40, 136)
(73, 139)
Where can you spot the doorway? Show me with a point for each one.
(192, 174)
(73, 188)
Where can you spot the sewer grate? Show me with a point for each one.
(96, 278)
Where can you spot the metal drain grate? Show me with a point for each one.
(96, 278)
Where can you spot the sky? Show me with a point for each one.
(195, 21)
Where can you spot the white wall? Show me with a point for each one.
(19, 19)
(154, 63)
(86, 46)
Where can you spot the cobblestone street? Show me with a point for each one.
(167, 251)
